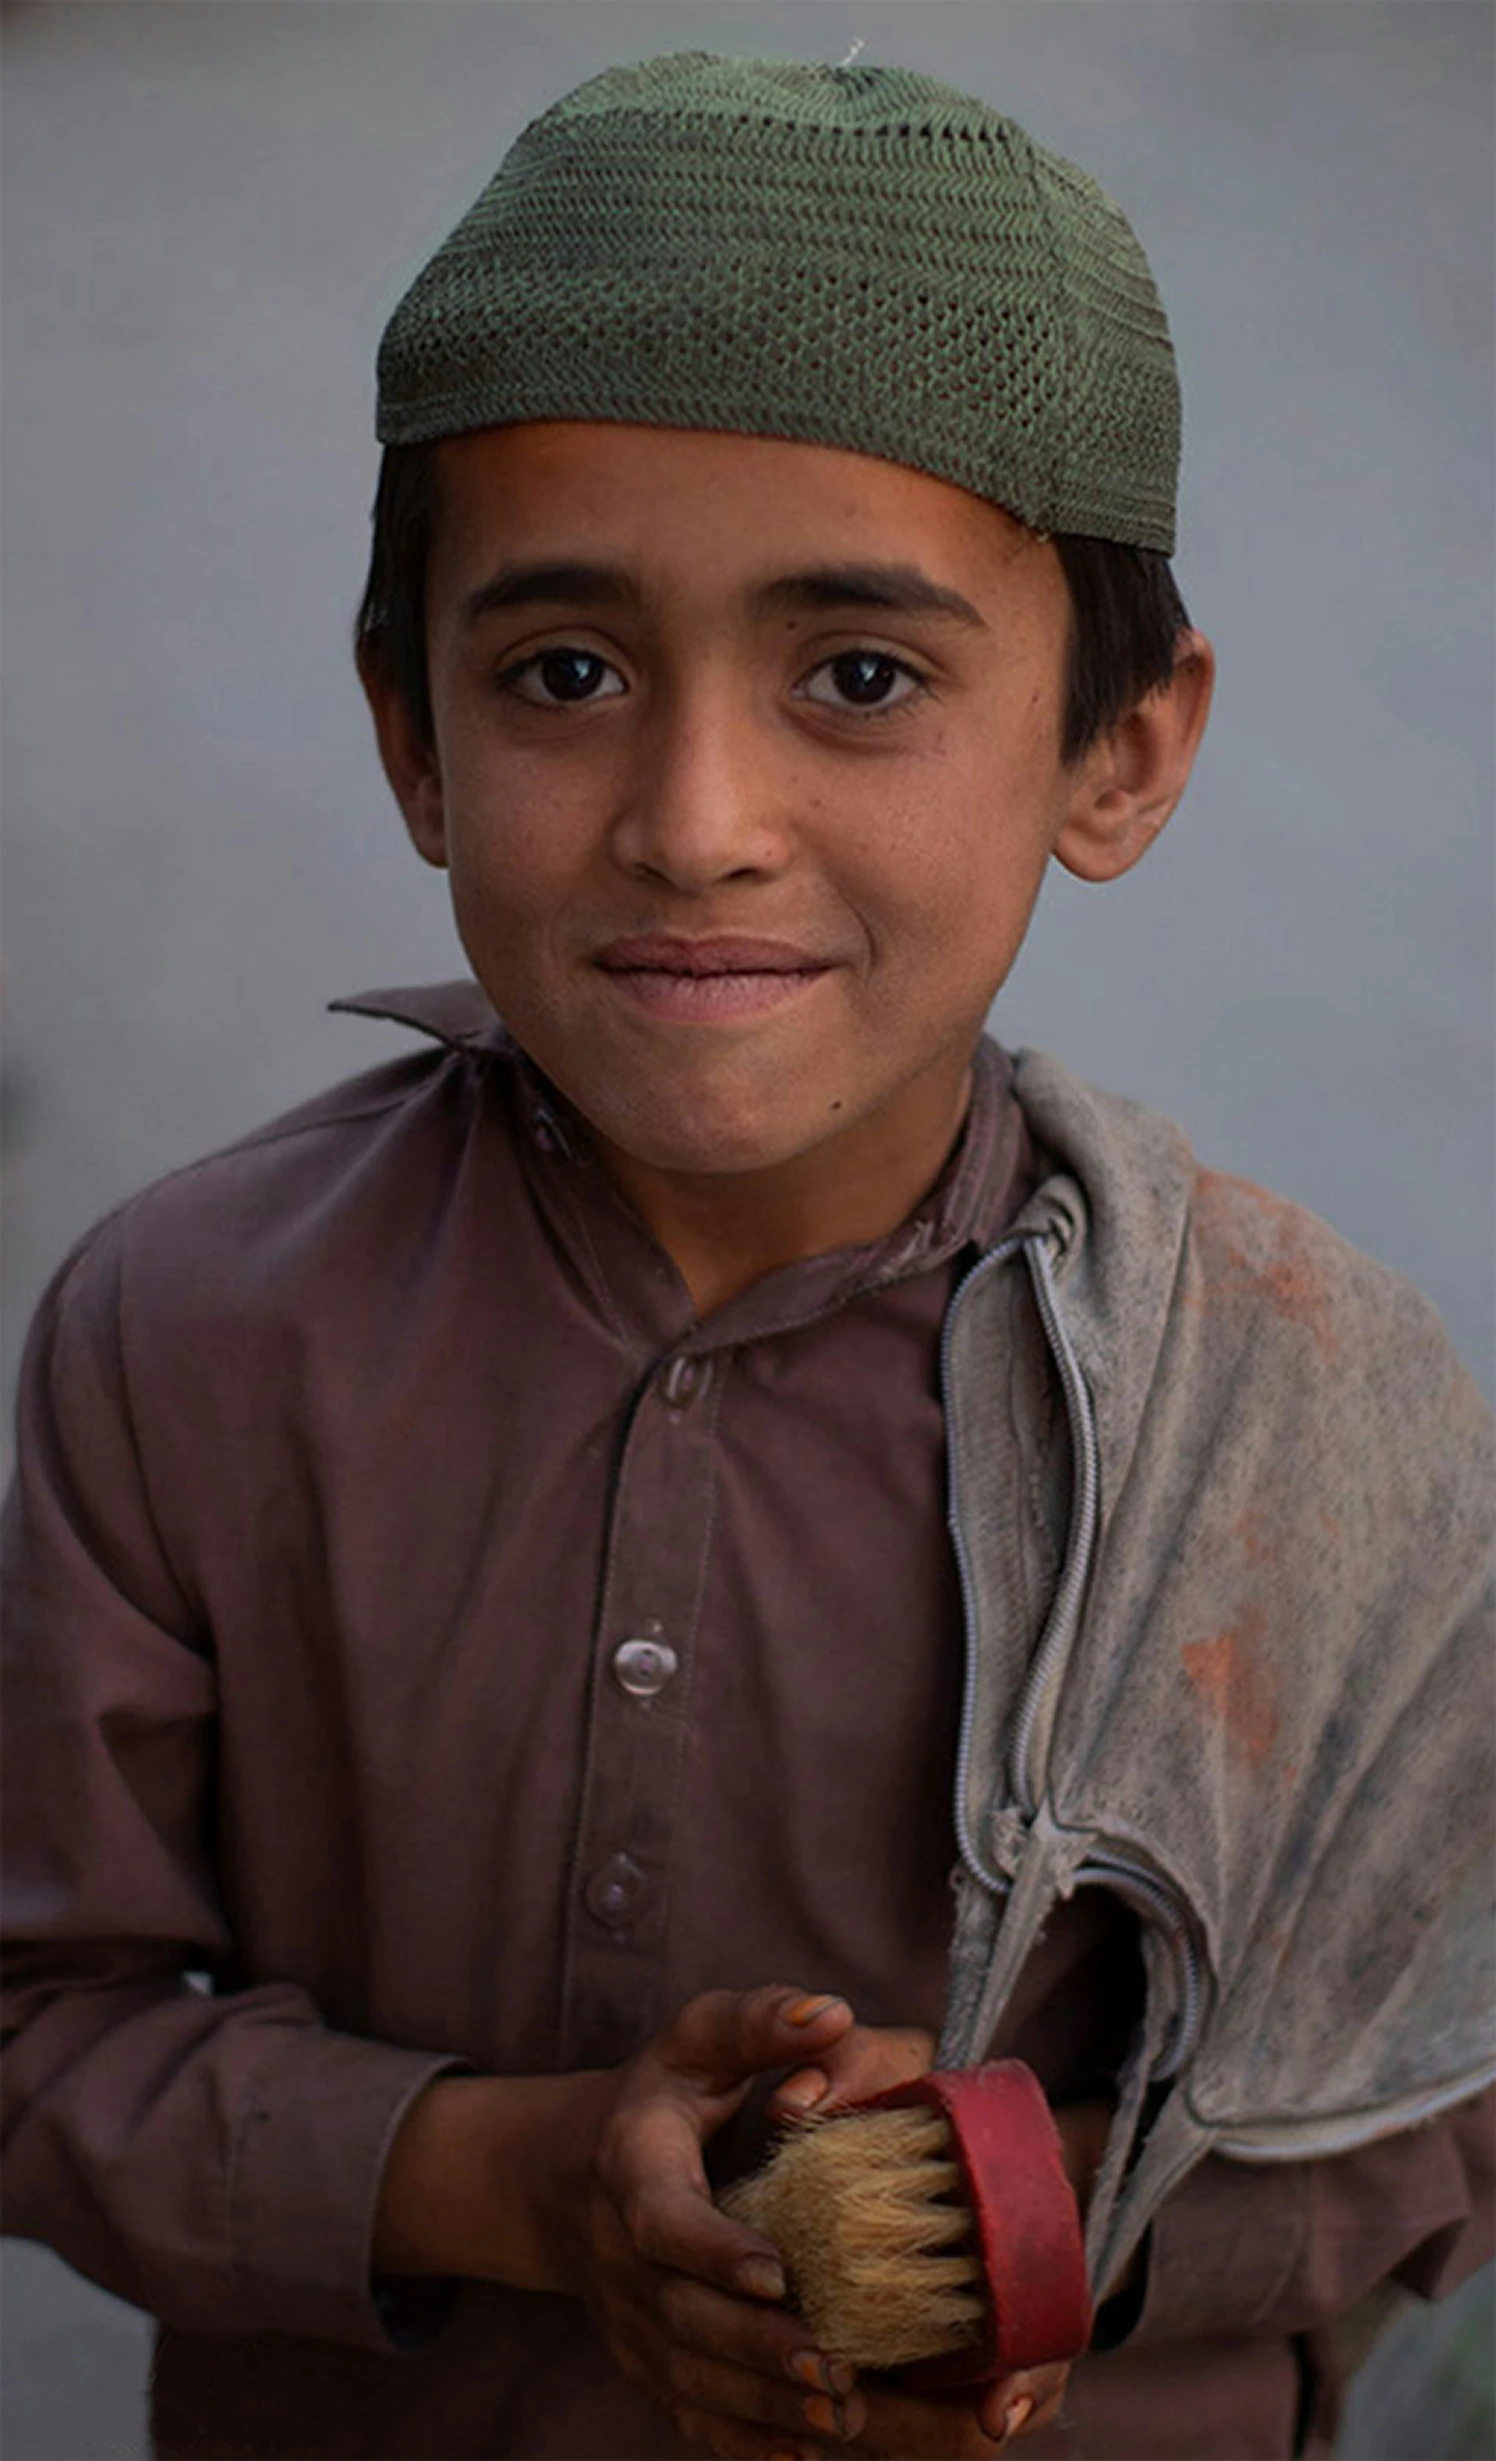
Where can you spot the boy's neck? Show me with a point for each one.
(725, 1233)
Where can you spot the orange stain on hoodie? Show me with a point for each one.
(1235, 1689)
(1286, 1271)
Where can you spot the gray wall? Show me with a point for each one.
(209, 209)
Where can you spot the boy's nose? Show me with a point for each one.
(704, 802)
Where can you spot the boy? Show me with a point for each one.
(480, 1586)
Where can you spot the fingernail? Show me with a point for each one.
(843, 2378)
(805, 2012)
(761, 2277)
(808, 2368)
(829, 2418)
(803, 2097)
(1017, 2415)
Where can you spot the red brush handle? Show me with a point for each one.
(1027, 2220)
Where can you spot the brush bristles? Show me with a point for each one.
(878, 2247)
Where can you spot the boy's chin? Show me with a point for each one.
(725, 1117)
(783, 1125)
(714, 1149)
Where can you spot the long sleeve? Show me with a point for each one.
(1287, 2248)
(212, 2157)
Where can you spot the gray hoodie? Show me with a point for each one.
(1261, 1708)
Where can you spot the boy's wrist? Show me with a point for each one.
(476, 2177)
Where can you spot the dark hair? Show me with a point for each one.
(1126, 613)
(1126, 616)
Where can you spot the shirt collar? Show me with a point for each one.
(988, 1176)
(458, 1014)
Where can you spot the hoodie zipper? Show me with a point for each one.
(1149, 1895)
(966, 1843)
(1084, 1515)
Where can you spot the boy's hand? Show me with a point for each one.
(594, 2184)
(686, 2299)
(664, 2273)
(714, 2362)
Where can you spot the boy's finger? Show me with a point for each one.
(867, 2059)
(799, 2093)
(751, 2334)
(672, 2222)
(1014, 2404)
(757, 2400)
(720, 2037)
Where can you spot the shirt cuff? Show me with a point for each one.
(313, 2136)
(1221, 2250)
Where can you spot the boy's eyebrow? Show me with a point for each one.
(901, 588)
(532, 585)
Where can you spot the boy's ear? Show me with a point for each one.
(1128, 783)
(410, 762)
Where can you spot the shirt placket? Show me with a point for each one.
(658, 1545)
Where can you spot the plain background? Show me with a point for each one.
(210, 208)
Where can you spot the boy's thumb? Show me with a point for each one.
(722, 2036)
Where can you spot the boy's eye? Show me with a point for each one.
(862, 679)
(557, 677)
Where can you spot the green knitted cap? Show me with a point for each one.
(844, 256)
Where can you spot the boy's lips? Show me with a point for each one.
(700, 982)
(719, 953)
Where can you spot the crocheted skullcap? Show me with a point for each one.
(857, 257)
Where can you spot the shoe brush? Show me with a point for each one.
(931, 2228)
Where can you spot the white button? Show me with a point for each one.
(644, 1668)
(616, 1893)
(547, 1132)
(685, 1381)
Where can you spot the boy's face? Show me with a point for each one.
(746, 773)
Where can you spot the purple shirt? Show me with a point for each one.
(425, 1626)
